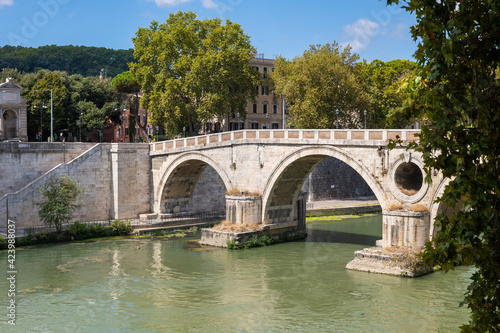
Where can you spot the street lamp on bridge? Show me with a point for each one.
(337, 124)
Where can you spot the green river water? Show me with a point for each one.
(153, 285)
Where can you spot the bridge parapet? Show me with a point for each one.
(335, 136)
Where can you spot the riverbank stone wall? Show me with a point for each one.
(24, 162)
(115, 182)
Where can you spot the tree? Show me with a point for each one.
(382, 81)
(191, 70)
(92, 117)
(126, 84)
(457, 95)
(324, 79)
(59, 195)
(68, 94)
(39, 95)
(83, 60)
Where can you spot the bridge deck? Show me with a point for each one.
(340, 136)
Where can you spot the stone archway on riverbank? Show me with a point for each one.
(9, 122)
(13, 117)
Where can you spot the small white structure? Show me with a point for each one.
(13, 118)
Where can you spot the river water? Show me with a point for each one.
(152, 285)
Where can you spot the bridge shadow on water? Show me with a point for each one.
(330, 236)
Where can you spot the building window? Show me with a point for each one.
(264, 75)
(255, 125)
(264, 90)
(254, 108)
(241, 125)
(256, 68)
(264, 109)
(275, 126)
(264, 126)
(257, 90)
(275, 108)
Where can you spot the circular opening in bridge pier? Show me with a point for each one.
(408, 178)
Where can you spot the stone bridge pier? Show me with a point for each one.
(258, 176)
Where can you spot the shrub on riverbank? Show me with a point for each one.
(77, 231)
(81, 231)
(120, 228)
(255, 241)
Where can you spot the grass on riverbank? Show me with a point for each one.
(91, 235)
(314, 218)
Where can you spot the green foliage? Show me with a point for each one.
(99, 230)
(171, 233)
(71, 95)
(191, 70)
(81, 231)
(128, 87)
(126, 83)
(83, 60)
(120, 228)
(92, 117)
(40, 95)
(42, 238)
(383, 81)
(255, 241)
(58, 200)
(456, 94)
(78, 231)
(3, 243)
(318, 83)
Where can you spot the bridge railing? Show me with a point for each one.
(290, 134)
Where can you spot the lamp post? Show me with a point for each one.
(337, 124)
(238, 124)
(267, 119)
(51, 118)
(43, 106)
(51, 112)
(365, 118)
(183, 131)
(283, 120)
(80, 121)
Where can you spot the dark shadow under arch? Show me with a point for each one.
(193, 187)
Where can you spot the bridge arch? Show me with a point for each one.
(181, 175)
(282, 189)
(437, 208)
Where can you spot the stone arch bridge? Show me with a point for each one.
(263, 171)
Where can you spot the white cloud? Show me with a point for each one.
(162, 3)
(362, 32)
(400, 31)
(210, 4)
(6, 3)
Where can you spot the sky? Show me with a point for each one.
(276, 27)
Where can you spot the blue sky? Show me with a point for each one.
(278, 27)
